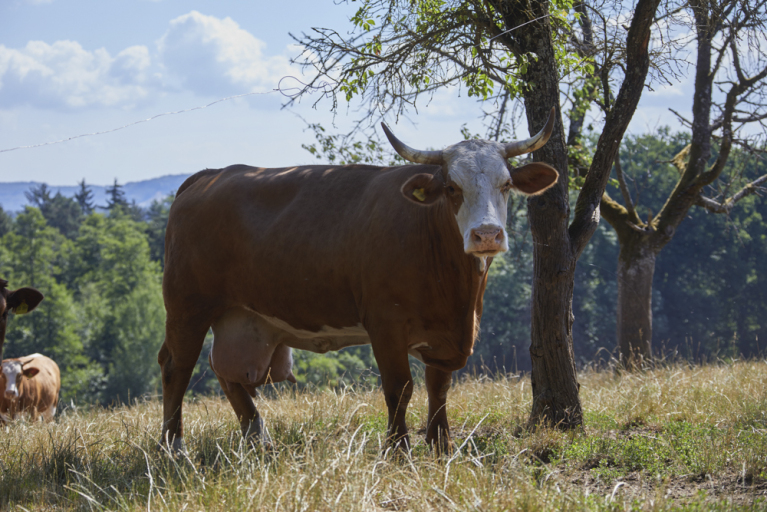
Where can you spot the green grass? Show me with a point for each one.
(674, 438)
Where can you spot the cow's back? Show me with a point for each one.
(296, 240)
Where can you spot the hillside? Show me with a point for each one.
(674, 438)
(12, 198)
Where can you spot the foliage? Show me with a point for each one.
(345, 150)
(398, 51)
(348, 366)
(63, 213)
(157, 220)
(84, 198)
(5, 222)
(138, 326)
(116, 196)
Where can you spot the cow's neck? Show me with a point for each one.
(470, 282)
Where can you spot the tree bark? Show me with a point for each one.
(639, 248)
(636, 267)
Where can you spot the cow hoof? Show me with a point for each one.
(442, 447)
(441, 444)
(175, 448)
(260, 443)
(258, 436)
(399, 449)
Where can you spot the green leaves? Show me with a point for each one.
(396, 51)
(479, 85)
(342, 149)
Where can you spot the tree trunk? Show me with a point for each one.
(554, 379)
(636, 266)
(557, 247)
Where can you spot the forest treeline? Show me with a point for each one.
(102, 320)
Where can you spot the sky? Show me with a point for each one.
(75, 67)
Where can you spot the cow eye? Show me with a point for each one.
(506, 187)
(452, 190)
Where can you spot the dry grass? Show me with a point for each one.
(680, 437)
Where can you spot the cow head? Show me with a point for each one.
(477, 181)
(13, 370)
(19, 301)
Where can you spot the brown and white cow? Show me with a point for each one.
(323, 257)
(31, 385)
(19, 301)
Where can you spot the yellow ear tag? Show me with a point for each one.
(21, 308)
(419, 194)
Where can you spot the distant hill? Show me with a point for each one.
(12, 197)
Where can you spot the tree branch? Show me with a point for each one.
(625, 191)
(619, 217)
(727, 205)
(586, 217)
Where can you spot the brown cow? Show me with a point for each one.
(323, 257)
(19, 301)
(32, 385)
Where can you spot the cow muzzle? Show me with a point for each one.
(11, 394)
(486, 240)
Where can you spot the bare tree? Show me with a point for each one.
(729, 100)
(400, 51)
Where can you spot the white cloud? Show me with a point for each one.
(202, 54)
(213, 56)
(64, 75)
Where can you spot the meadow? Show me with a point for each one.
(677, 437)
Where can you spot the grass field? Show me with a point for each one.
(674, 438)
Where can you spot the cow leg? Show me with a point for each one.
(437, 430)
(398, 388)
(49, 413)
(178, 356)
(251, 423)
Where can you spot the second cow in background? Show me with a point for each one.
(31, 385)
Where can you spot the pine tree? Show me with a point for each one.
(84, 198)
(39, 195)
(116, 197)
(6, 222)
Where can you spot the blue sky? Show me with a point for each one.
(72, 67)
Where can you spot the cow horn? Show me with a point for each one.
(410, 154)
(537, 141)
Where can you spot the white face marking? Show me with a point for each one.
(479, 168)
(11, 370)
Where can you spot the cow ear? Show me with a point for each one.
(422, 189)
(533, 178)
(24, 300)
(30, 372)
